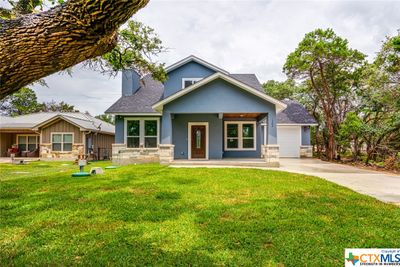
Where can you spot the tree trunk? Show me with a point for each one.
(36, 45)
(330, 151)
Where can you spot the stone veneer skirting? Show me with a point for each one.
(164, 154)
(46, 152)
(122, 155)
(271, 155)
(306, 151)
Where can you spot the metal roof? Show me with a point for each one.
(32, 121)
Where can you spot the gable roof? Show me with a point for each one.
(150, 92)
(249, 79)
(195, 59)
(36, 120)
(279, 105)
(295, 113)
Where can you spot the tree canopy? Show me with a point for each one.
(332, 70)
(25, 101)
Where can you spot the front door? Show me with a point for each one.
(198, 141)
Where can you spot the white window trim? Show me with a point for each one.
(189, 79)
(27, 142)
(141, 130)
(240, 135)
(190, 124)
(62, 141)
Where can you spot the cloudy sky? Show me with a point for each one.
(239, 36)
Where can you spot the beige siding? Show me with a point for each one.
(103, 140)
(61, 127)
(6, 141)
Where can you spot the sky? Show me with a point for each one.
(238, 36)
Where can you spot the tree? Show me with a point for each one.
(351, 132)
(333, 71)
(22, 102)
(107, 118)
(25, 101)
(53, 106)
(280, 90)
(42, 43)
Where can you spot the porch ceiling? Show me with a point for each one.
(241, 115)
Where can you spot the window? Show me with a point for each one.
(186, 82)
(61, 141)
(150, 133)
(142, 132)
(27, 142)
(133, 133)
(240, 135)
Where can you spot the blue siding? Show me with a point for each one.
(119, 130)
(180, 134)
(305, 135)
(216, 97)
(189, 70)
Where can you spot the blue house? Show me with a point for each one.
(204, 112)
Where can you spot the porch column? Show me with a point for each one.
(272, 132)
(166, 128)
(270, 150)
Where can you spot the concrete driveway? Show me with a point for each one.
(382, 186)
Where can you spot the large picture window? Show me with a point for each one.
(142, 132)
(27, 142)
(240, 135)
(61, 141)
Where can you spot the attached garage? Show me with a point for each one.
(294, 131)
(289, 141)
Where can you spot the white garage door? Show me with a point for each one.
(289, 141)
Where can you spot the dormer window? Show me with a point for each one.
(186, 82)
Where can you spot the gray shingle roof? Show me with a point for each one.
(150, 92)
(249, 79)
(295, 113)
(30, 121)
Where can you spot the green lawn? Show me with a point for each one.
(155, 215)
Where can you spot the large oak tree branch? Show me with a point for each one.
(34, 46)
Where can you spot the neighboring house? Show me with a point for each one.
(56, 135)
(203, 112)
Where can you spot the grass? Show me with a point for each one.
(155, 215)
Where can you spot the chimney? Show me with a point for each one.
(130, 82)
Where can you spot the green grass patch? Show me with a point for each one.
(154, 215)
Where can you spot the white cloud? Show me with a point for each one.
(239, 36)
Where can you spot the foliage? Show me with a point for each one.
(107, 118)
(356, 104)
(53, 106)
(280, 90)
(332, 71)
(137, 44)
(25, 102)
(22, 102)
(152, 215)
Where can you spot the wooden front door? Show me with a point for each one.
(198, 141)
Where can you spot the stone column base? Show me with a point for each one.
(271, 155)
(166, 153)
(306, 151)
